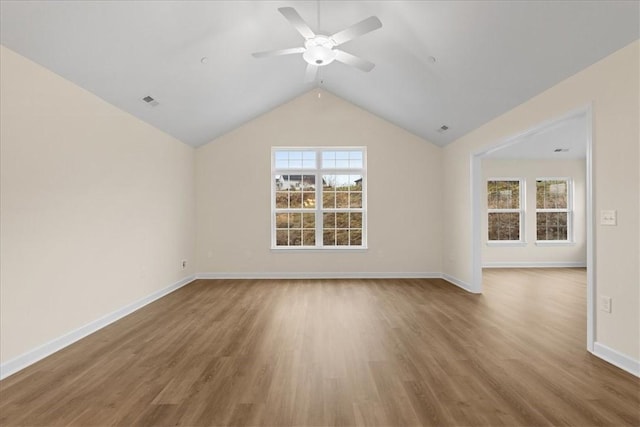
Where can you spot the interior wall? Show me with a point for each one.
(97, 207)
(574, 254)
(233, 194)
(611, 86)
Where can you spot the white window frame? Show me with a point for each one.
(522, 210)
(319, 171)
(569, 211)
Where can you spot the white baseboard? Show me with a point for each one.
(14, 365)
(340, 275)
(616, 358)
(459, 283)
(321, 275)
(534, 264)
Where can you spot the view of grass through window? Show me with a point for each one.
(504, 210)
(318, 197)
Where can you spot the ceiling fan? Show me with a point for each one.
(320, 50)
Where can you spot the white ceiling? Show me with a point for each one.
(568, 134)
(490, 56)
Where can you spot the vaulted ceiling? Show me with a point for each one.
(454, 63)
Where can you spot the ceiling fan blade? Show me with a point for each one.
(278, 52)
(298, 23)
(354, 61)
(362, 27)
(310, 73)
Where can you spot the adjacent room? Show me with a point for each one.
(320, 213)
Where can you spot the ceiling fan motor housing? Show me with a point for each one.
(319, 51)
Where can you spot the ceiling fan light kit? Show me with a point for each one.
(320, 50)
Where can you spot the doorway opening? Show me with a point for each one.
(572, 132)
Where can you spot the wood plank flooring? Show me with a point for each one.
(337, 353)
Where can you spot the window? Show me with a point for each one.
(318, 198)
(553, 209)
(505, 210)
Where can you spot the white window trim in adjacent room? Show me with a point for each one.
(569, 210)
(522, 241)
(318, 171)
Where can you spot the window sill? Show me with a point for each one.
(554, 243)
(506, 243)
(313, 249)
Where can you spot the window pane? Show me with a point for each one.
(355, 159)
(503, 194)
(342, 220)
(343, 182)
(295, 237)
(551, 194)
(355, 182)
(282, 238)
(342, 160)
(329, 159)
(504, 226)
(329, 200)
(285, 159)
(295, 200)
(355, 200)
(329, 238)
(551, 226)
(329, 182)
(336, 182)
(342, 237)
(309, 238)
(355, 220)
(309, 200)
(295, 220)
(282, 200)
(342, 199)
(355, 238)
(282, 220)
(329, 220)
(309, 220)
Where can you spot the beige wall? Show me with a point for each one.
(531, 254)
(612, 87)
(233, 193)
(97, 207)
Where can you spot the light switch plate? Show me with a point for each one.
(608, 217)
(605, 304)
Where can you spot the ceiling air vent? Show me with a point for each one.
(561, 150)
(443, 128)
(150, 101)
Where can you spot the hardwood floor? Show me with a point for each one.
(336, 353)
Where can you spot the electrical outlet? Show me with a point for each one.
(605, 304)
(184, 264)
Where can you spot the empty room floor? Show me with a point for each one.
(383, 352)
